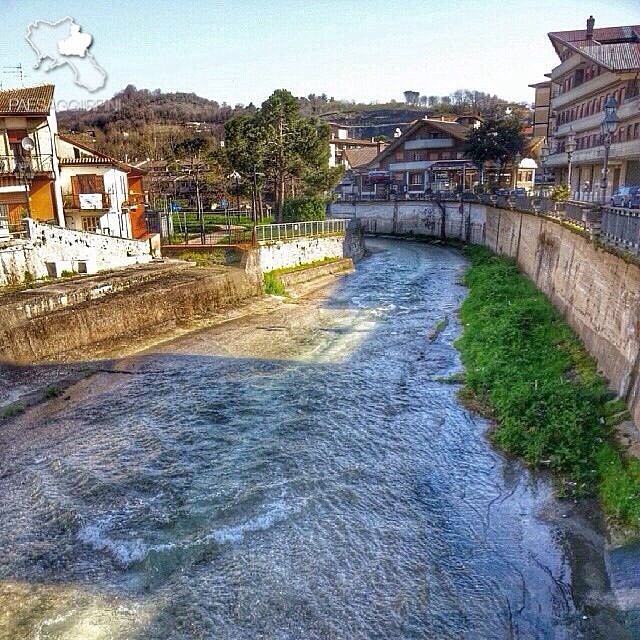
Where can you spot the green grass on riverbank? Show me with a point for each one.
(528, 371)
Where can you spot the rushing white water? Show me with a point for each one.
(325, 485)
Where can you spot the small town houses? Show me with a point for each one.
(428, 158)
(59, 179)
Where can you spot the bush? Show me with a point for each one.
(273, 285)
(303, 209)
(552, 408)
(560, 193)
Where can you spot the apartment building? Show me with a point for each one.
(29, 168)
(594, 64)
(340, 141)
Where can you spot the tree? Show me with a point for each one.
(495, 140)
(411, 97)
(292, 151)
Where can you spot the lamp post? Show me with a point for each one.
(516, 169)
(608, 128)
(236, 177)
(570, 147)
(24, 173)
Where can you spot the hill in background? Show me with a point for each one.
(137, 124)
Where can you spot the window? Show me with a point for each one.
(415, 179)
(91, 223)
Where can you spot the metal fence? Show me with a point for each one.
(621, 228)
(40, 163)
(275, 232)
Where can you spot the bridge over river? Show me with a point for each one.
(301, 473)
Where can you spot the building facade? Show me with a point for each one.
(428, 158)
(340, 141)
(594, 64)
(29, 168)
(100, 194)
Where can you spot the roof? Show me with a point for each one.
(454, 129)
(615, 48)
(363, 143)
(545, 84)
(360, 157)
(28, 101)
(98, 156)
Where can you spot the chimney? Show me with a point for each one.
(590, 23)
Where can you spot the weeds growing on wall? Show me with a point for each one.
(273, 285)
(527, 368)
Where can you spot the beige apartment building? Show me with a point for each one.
(595, 64)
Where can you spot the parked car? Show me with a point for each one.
(626, 197)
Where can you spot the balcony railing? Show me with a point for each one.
(10, 165)
(96, 201)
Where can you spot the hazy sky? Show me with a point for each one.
(371, 50)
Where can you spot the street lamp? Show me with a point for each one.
(570, 147)
(236, 176)
(608, 128)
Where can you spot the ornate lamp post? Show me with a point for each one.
(570, 147)
(608, 128)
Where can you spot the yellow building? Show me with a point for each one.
(29, 170)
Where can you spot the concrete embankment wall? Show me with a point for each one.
(295, 252)
(27, 259)
(73, 330)
(419, 218)
(597, 292)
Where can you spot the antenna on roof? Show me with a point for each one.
(14, 72)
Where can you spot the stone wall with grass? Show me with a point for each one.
(298, 251)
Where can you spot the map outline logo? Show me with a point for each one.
(64, 44)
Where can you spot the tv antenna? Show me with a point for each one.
(16, 72)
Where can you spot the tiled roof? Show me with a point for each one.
(360, 157)
(615, 48)
(27, 101)
(606, 34)
(621, 56)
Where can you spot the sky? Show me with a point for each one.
(239, 51)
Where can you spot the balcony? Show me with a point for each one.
(626, 110)
(629, 150)
(587, 88)
(86, 201)
(428, 143)
(42, 164)
(410, 166)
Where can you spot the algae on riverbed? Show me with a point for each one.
(551, 406)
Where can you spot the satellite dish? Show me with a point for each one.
(28, 144)
(397, 133)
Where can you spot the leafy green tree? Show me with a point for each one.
(495, 140)
(290, 150)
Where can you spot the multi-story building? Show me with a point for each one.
(100, 194)
(29, 169)
(340, 141)
(429, 157)
(594, 65)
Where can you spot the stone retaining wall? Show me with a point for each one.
(27, 259)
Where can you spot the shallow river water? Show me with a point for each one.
(303, 473)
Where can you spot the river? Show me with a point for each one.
(301, 473)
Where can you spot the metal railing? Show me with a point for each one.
(289, 230)
(620, 227)
(37, 163)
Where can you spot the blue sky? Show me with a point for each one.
(240, 50)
